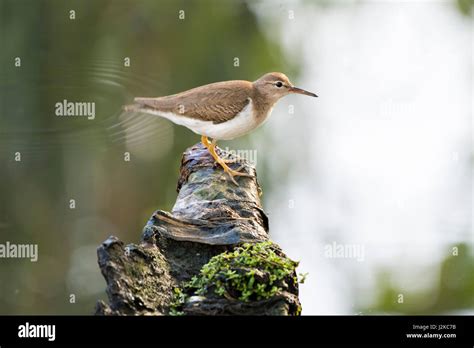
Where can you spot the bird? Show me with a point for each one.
(222, 110)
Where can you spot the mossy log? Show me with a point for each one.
(209, 256)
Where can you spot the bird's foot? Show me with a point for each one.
(211, 146)
(232, 173)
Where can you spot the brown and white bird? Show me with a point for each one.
(221, 110)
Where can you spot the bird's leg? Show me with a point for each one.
(212, 150)
(205, 142)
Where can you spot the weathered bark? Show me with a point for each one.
(211, 215)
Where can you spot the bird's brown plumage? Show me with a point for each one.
(218, 104)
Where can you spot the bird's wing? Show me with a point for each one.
(218, 102)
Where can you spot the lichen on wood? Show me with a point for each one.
(214, 225)
(210, 209)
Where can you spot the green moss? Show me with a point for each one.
(179, 299)
(302, 277)
(251, 272)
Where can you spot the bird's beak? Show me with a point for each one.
(297, 90)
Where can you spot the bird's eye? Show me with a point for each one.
(279, 84)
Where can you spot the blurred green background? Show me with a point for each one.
(82, 59)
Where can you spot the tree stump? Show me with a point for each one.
(209, 256)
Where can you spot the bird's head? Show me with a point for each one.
(275, 85)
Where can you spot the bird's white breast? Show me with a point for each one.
(243, 123)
